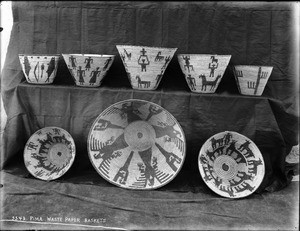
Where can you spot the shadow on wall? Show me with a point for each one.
(2, 124)
(5, 29)
(3, 117)
(6, 26)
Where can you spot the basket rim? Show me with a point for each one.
(29, 54)
(92, 55)
(252, 66)
(158, 47)
(204, 55)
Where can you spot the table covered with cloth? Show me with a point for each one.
(85, 201)
(75, 108)
(201, 116)
(253, 33)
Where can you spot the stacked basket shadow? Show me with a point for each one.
(136, 144)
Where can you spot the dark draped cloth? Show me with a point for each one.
(258, 33)
(253, 33)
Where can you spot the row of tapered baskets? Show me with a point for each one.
(137, 144)
(145, 67)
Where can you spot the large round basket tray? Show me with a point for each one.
(49, 153)
(231, 165)
(136, 144)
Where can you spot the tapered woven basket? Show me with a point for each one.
(145, 66)
(88, 70)
(203, 72)
(252, 80)
(39, 68)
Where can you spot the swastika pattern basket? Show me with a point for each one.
(145, 66)
(231, 165)
(203, 72)
(136, 144)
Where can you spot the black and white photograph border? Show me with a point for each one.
(128, 216)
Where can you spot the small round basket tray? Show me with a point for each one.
(49, 153)
(136, 144)
(231, 165)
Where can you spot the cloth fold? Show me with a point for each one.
(107, 206)
(253, 33)
(200, 116)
